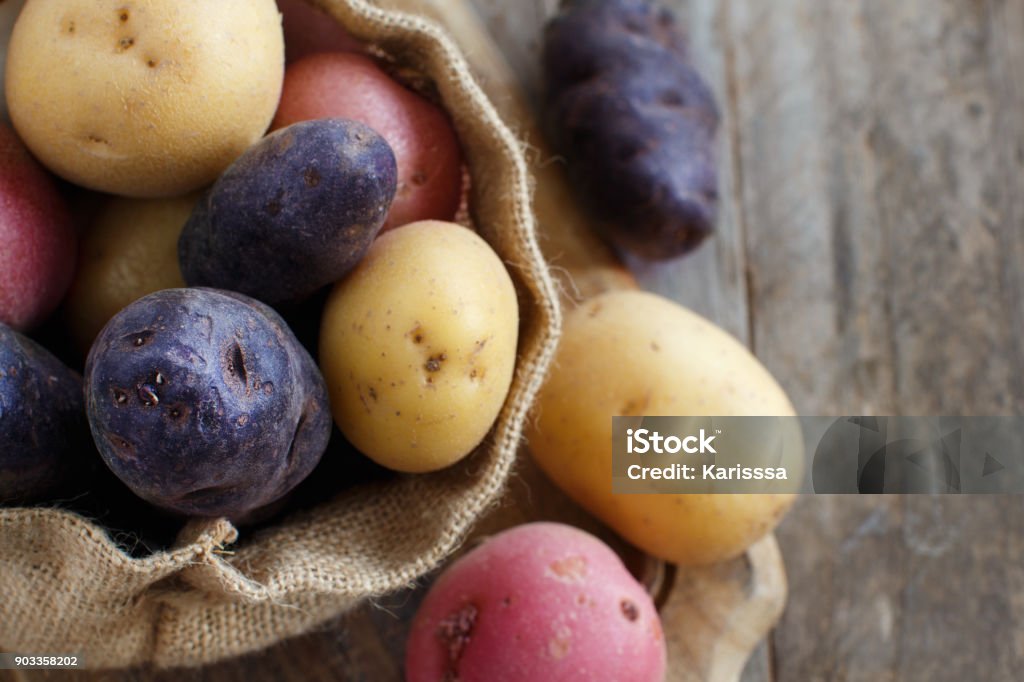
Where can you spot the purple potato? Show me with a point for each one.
(294, 213)
(44, 435)
(204, 403)
(635, 122)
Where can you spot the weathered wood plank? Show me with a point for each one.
(882, 251)
(881, 153)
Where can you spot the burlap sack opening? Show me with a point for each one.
(65, 586)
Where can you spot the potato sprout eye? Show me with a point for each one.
(148, 396)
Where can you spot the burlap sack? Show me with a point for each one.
(66, 587)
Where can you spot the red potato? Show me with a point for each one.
(39, 245)
(542, 601)
(308, 30)
(352, 86)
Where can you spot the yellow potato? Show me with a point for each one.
(130, 250)
(8, 13)
(635, 353)
(418, 345)
(143, 99)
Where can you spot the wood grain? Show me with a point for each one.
(881, 149)
(717, 615)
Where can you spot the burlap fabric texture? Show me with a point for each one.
(66, 587)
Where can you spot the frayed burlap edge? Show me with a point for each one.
(66, 587)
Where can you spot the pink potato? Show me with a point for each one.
(346, 85)
(542, 601)
(309, 29)
(39, 245)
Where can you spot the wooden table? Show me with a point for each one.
(871, 252)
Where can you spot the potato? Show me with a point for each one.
(635, 122)
(538, 602)
(204, 403)
(635, 353)
(144, 99)
(130, 250)
(295, 213)
(418, 345)
(44, 436)
(308, 30)
(8, 13)
(37, 239)
(425, 145)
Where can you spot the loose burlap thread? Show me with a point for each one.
(66, 587)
